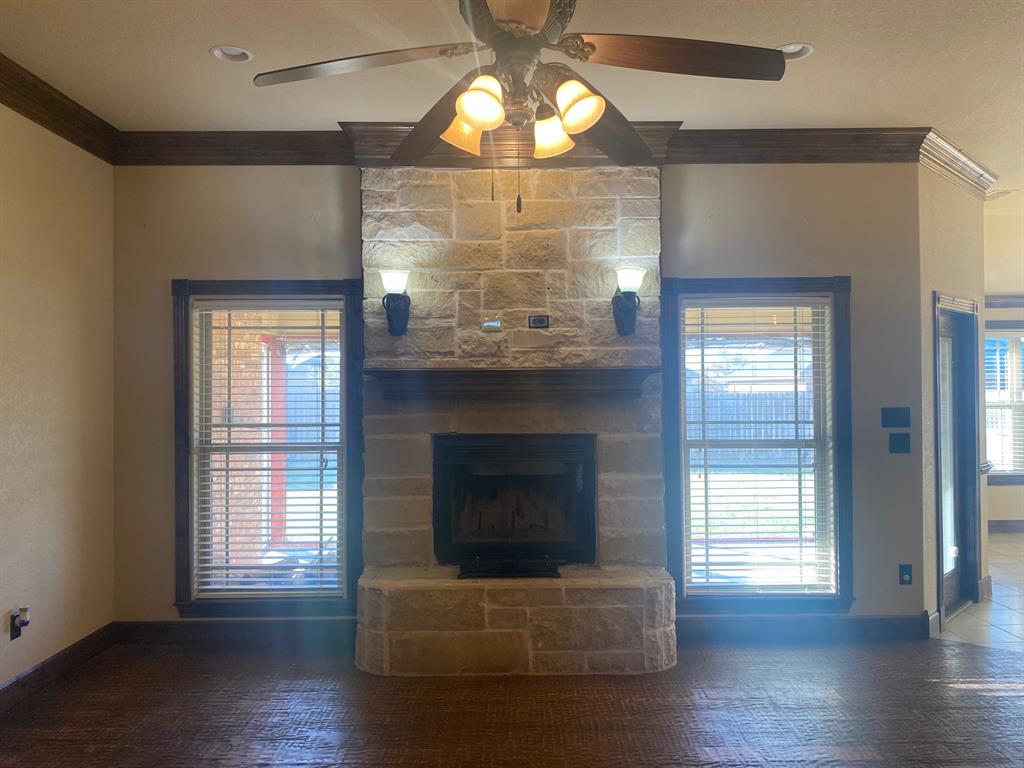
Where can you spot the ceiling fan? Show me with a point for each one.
(518, 88)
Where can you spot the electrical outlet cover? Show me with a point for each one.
(906, 574)
(538, 321)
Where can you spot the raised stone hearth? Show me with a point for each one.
(595, 621)
(474, 260)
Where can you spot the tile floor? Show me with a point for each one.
(999, 622)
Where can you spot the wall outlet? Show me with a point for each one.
(906, 574)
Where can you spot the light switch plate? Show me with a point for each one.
(899, 442)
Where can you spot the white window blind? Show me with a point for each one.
(1004, 401)
(759, 510)
(268, 467)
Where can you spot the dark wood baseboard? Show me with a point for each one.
(985, 589)
(307, 635)
(794, 628)
(43, 674)
(288, 634)
(1006, 526)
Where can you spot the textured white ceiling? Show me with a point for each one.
(957, 65)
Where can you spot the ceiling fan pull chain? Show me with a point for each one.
(519, 181)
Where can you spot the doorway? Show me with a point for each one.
(958, 530)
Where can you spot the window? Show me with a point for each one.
(1004, 404)
(266, 448)
(762, 420)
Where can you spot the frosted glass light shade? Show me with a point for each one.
(395, 280)
(480, 106)
(549, 139)
(630, 278)
(463, 136)
(580, 107)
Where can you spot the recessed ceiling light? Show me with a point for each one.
(794, 51)
(231, 53)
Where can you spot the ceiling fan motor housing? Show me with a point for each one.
(516, 60)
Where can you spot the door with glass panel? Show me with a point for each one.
(956, 457)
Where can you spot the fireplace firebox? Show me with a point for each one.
(514, 505)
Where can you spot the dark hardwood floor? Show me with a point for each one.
(929, 704)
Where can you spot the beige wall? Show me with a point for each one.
(56, 396)
(1004, 273)
(952, 262)
(299, 222)
(806, 220)
(1004, 252)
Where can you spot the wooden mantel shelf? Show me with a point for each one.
(509, 383)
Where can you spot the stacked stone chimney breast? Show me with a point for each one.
(474, 259)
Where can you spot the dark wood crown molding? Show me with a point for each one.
(1004, 301)
(233, 148)
(372, 143)
(505, 147)
(798, 145)
(44, 105)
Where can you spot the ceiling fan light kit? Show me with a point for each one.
(549, 138)
(463, 136)
(518, 88)
(580, 108)
(480, 106)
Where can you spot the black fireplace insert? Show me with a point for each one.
(514, 505)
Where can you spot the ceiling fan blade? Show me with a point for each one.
(559, 15)
(427, 132)
(612, 134)
(684, 57)
(478, 17)
(365, 61)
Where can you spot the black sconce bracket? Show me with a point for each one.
(624, 308)
(396, 307)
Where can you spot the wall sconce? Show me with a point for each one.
(396, 301)
(625, 302)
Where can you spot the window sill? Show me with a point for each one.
(244, 607)
(762, 604)
(1006, 479)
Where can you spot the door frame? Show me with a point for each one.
(965, 314)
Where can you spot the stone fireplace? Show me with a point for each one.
(497, 460)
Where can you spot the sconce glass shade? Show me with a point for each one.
(630, 278)
(580, 107)
(463, 136)
(549, 139)
(395, 280)
(480, 106)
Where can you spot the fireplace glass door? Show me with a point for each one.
(511, 500)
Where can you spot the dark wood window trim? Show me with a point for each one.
(1005, 302)
(839, 287)
(1005, 478)
(182, 291)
